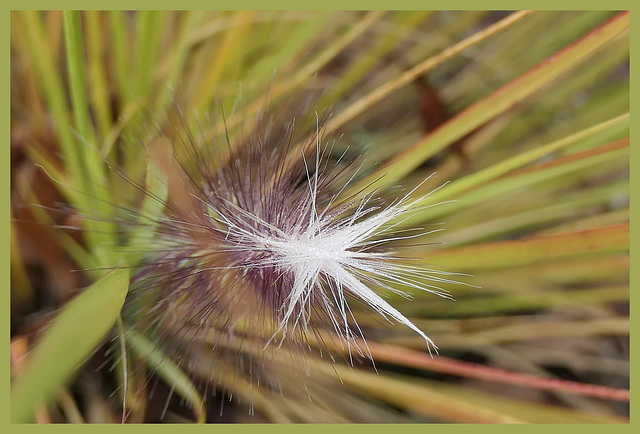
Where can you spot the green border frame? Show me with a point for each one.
(325, 5)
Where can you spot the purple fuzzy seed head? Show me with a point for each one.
(269, 246)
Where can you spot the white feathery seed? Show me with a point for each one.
(328, 258)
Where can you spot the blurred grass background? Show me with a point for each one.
(525, 113)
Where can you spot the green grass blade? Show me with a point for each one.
(533, 412)
(177, 60)
(149, 40)
(609, 239)
(416, 398)
(499, 101)
(550, 211)
(521, 160)
(385, 90)
(157, 191)
(99, 85)
(507, 303)
(77, 82)
(75, 250)
(367, 60)
(51, 83)
(122, 63)
(526, 178)
(295, 41)
(169, 372)
(303, 75)
(229, 52)
(99, 233)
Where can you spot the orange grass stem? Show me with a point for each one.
(416, 359)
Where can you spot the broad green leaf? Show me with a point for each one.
(67, 343)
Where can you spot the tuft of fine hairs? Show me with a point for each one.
(267, 248)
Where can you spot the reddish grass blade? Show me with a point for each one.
(405, 357)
